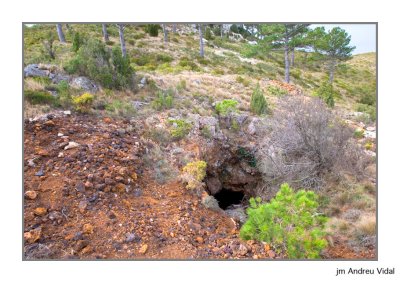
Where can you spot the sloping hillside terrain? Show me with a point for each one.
(112, 172)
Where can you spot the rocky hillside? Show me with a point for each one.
(105, 178)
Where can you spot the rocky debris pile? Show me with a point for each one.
(55, 75)
(97, 199)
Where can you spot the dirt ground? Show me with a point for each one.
(96, 199)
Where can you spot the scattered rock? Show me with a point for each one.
(87, 229)
(82, 206)
(211, 203)
(81, 244)
(88, 185)
(200, 240)
(33, 235)
(31, 162)
(40, 211)
(71, 145)
(61, 154)
(137, 192)
(132, 237)
(238, 214)
(84, 83)
(143, 249)
(80, 187)
(271, 254)
(40, 172)
(251, 128)
(33, 70)
(67, 112)
(214, 185)
(119, 188)
(242, 250)
(30, 194)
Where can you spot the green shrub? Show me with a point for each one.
(226, 107)
(359, 133)
(208, 35)
(242, 81)
(244, 154)
(369, 110)
(95, 61)
(120, 108)
(139, 36)
(180, 128)
(276, 91)
(64, 95)
(83, 103)
(368, 99)
(39, 97)
(325, 91)
(194, 173)
(206, 132)
(122, 68)
(188, 64)
(152, 29)
(159, 135)
(258, 103)
(181, 86)
(217, 72)
(290, 222)
(77, 42)
(164, 100)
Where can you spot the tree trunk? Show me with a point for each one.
(174, 28)
(287, 75)
(165, 33)
(60, 33)
(201, 41)
(332, 70)
(292, 59)
(222, 31)
(105, 33)
(122, 39)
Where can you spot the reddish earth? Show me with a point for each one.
(99, 201)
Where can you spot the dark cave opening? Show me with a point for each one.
(227, 197)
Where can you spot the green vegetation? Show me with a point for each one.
(164, 100)
(194, 172)
(39, 97)
(246, 155)
(77, 42)
(327, 93)
(95, 61)
(359, 133)
(226, 107)
(152, 29)
(180, 128)
(290, 222)
(84, 102)
(243, 81)
(276, 91)
(258, 102)
(120, 108)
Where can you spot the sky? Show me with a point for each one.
(363, 36)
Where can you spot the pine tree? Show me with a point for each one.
(286, 36)
(334, 45)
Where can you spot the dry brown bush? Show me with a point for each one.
(304, 142)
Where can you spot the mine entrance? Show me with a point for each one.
(227, 198)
